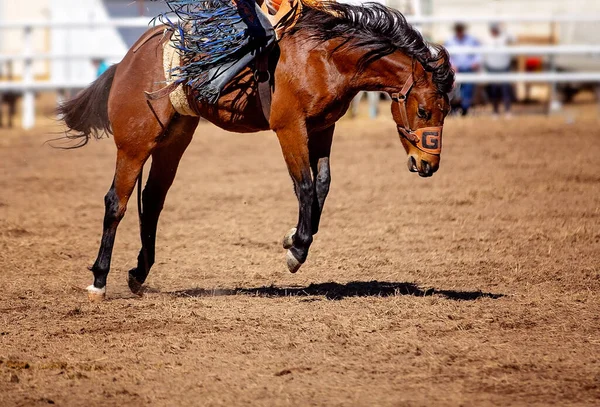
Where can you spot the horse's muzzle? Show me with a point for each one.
(425, 169)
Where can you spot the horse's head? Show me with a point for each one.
(373, 48)
(419, 109)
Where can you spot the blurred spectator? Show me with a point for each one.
(499, 63)
(100, 65)
(8, 97)
(464, 63)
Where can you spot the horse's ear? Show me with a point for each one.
(419, 73)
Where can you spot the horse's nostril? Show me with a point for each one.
(412, 164)
(426, 167)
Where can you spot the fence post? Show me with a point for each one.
(554, 104)
(417, 12)
(28, 119)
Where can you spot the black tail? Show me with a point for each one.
(86, 115)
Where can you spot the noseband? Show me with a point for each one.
(426, 139)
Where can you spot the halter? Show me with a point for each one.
(426, 139)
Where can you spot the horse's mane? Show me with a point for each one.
(377, 28)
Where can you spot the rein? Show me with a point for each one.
(426, 139)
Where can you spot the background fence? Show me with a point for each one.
(27, 85)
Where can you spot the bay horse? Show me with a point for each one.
(323, 60)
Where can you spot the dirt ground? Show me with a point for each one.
(479, 286)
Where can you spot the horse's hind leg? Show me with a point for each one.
(134, 146)
(165, 160)
(138, 126)
(136, 137)
(127, 171)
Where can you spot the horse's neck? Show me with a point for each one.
(385, 74)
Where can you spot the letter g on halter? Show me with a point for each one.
(426, 139)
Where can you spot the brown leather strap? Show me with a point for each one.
(410, 136)
(401, 99)
(263, 77)
(429, 139)
(403, 113)
(407, 85)
(264, 91)
(426, 139)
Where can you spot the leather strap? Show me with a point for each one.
(401, 99)
(426, 139)
(407, 85)
(263, 77)
(410, 136)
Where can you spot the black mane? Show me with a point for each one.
(379, 29)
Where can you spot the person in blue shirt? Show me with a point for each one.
(100, 65)
(464, 63)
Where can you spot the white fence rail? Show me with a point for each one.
(482, 77)
(529, 50)
(514, 18)
(512, 50)
(27, 86)
(137, 22)
(517, 77)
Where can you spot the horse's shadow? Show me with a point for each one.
(337, 291)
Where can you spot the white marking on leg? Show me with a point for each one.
(96, 294)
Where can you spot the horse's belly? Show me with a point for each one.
(236, 125)
(238, 109)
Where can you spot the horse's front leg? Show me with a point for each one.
(294, 145)
(319, 150)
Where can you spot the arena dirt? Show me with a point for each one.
(479, 286)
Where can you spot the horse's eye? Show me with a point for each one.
(422, 113)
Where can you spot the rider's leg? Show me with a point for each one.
(261, 35)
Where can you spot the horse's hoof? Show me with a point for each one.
(288, 239)
(135, 286)
(292, 263)
(96, 294)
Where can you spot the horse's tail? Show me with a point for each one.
(86, 115)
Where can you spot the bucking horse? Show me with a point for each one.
(296, 77)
